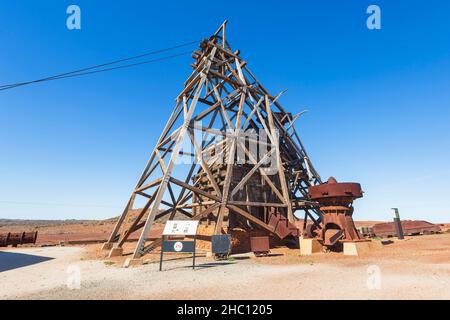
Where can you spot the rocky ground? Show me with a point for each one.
(416, 268)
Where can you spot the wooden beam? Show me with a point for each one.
(250, 173)
(204, 165)
(163, 186)
(230, 163)
(257, 204)
(119, 222)
(279, 163)
(195, 189)
(253, 219)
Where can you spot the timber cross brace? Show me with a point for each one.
(226, 180)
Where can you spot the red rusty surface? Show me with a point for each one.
(15, 239)
(339, 218)
(4, 239)
(410, 227)
(29, 237)
(260, 244)
(335, 201)
(332, 236)
(334, 193)
(281, 225)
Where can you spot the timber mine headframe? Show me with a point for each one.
(207, 178)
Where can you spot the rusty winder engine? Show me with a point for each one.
(336, 205)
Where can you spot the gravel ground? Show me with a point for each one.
(56, 277)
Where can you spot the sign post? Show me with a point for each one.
(178, 228)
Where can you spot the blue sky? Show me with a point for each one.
(378, 100)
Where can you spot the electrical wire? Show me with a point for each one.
(91, 69)
(94, 71)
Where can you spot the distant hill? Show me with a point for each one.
(41, 223)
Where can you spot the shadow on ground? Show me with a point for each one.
(14, 260)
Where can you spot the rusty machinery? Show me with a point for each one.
(17, 238)
(336, 204)
(409, 227)
(224, 103)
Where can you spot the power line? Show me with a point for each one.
(71, 75)
(106, 64)
(86, 71)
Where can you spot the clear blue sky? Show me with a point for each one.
(378, 101)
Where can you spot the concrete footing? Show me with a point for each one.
(132, 262)
(356, 248)
(116, 252)
(309, 246)
(107, 246)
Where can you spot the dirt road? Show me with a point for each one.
(382, 275)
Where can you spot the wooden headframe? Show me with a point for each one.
(221, 101)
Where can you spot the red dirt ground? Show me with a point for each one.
(79, 232)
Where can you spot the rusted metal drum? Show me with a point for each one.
(29, 237)
(17, 238)
(4, 237)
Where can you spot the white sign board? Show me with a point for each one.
(180, 228)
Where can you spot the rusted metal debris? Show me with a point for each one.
(410, 227)
(260, 245)
(335, 200)
(14, 239)
(366, 232)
